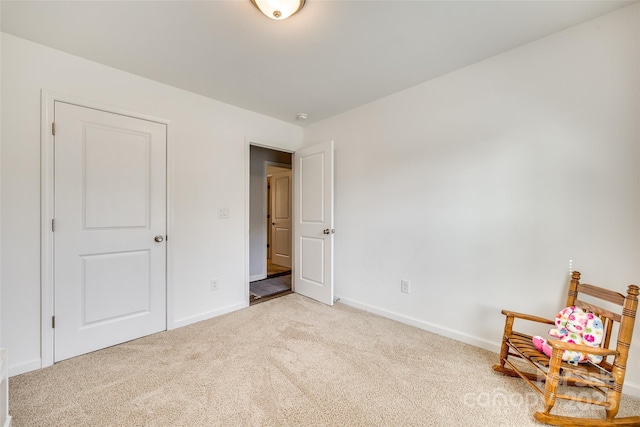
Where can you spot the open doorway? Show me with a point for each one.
(270, 234)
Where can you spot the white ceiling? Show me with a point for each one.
(331, 57)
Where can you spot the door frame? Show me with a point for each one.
(257, 142)
(268, 163)
(47, 303)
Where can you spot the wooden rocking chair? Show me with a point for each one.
(606, 378)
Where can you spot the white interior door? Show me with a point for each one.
(281, 218)
(313, 231)
(110, 229)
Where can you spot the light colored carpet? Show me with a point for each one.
(287, 362)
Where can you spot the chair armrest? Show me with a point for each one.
(596, 351)
(527, 317)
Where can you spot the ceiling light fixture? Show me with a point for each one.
(279, 9)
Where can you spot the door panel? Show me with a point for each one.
(312, 251)
(313, 183)
(116, 178)
(114, 286)
(281, 218)
(312, 171)
(110, 203)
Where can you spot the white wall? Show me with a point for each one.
(208, 154)
(479, 187)
(257, 221)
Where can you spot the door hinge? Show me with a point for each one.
(53, 322)
(53, 225)
(53, 128)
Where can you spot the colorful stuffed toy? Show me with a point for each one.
(575, 326)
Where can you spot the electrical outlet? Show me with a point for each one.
(404, 286)
(214, 284)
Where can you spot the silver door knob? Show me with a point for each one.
(159, 238)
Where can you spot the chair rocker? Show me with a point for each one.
(605, 378)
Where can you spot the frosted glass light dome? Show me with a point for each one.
(278, 9)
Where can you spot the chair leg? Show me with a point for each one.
(504, 352)
(553, 376)
(504, 349)
(614, 404)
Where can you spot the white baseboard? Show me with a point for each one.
(7, 422)
(22, 368)
(257, 277)
(629, 388)
(208, 315)
(427, 326)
